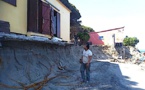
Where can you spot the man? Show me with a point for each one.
(85, 64)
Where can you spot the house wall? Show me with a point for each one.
(64, 19)
(107, 37)
(109, 40)
(15, 15)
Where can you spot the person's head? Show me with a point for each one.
(86, 47)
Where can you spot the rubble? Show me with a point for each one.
(55, 40)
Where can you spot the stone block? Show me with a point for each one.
(4, 26)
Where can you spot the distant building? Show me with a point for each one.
(36, 17)
(107, 37)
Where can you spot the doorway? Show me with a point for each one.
(55, 23)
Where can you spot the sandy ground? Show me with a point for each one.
(115, 76)
(134, 76)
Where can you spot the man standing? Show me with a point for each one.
(85, 64)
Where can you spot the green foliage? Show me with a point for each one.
(84, 36)
(86, 28)
(130, 41)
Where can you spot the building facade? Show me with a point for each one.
(107, 37)
(37, 17)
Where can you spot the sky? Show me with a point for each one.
(108, 14)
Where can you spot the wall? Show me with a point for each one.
(27, 65)
(64, 19)
(30, 62)
(109, 40)
(17, 16)
(119, 36)
(23, 63)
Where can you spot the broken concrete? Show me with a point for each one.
(16, 37)
(31, 62)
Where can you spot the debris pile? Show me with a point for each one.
(54, 40)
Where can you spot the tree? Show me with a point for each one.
(84, 37)
(87, 29)
(130, 41)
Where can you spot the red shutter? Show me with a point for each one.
(46, 14)
(12, 2)
(34, 15)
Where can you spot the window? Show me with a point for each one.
(101, 38)
(12, 2)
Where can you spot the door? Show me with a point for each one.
(46, 16)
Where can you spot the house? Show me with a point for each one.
(111, 37)
(36, 17)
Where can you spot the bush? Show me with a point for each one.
(87, 29)
(130, 41)
(84, 37)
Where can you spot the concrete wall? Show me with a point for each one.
(30, 62)
(64, 19)
(25, 64)
(17, 16)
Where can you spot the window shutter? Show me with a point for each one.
(12, 2)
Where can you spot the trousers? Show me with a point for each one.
(85, 72)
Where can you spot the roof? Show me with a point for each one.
(64, 5)
(94, 38)
(110, 30)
